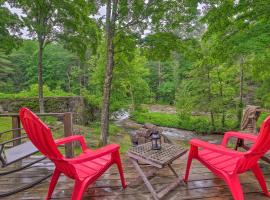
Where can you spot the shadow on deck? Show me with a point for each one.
(202, 184)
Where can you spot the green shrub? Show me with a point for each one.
(262, 118)
(50, 120)
(195, 123)
(161, 119)
(33, 92)
(199, 124)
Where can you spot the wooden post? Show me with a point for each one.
(16, 132)
(68, 131)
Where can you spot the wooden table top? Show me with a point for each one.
(159, 158)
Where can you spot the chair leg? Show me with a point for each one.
(235, 187)
(53, 183)
(120, 169)
(259, 175)
(190, 157)
(78, 190)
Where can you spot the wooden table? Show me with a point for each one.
(158, 159)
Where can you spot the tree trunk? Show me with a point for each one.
(159, 79)
(69, 81)
(40, 81)
(132, 98)
(110, 28)
(175, 75)
(210, 100)
(222, 102)
(212, 117)
(80, 75)
(241, 85)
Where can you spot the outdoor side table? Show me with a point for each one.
(158, 159)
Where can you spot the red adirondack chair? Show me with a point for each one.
(227, 163)
(85, 168)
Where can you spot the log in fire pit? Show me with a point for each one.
(143, 135)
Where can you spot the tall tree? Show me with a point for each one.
(111, 12)
(44, 20)
(134, 17)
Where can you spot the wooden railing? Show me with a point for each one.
(68, 128)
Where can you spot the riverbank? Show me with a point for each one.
(199, 124)
(178, 136)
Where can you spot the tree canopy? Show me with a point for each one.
(207, 57)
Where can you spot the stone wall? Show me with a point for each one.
(82, 111)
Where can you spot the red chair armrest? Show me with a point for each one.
(239, 135)
(214, 148)
(71, 139)
(109, 149)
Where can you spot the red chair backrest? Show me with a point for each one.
(40, 134)
(262, 144)
(259, 148)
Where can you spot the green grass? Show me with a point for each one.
(5, 124)
(95, 128)
(193, 123)
(116, 135)
(161, 119)
(199, 124)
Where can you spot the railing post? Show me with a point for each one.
(68, 131)
(16, 131)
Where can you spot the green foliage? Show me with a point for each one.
(44, 19)
(235, 40)
(59, 68)
(260, 66)
(262, 117)
(6, 71)
(9, 26)
(129, 86)
(32, 92)
(161, 119)
(199, 124)
(189, 59)
(158, 46)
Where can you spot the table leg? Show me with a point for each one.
(170, 187)
(146, 181)
(171, 168)
(179, 180)
(149, 174)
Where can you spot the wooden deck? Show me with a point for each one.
(202, 184)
